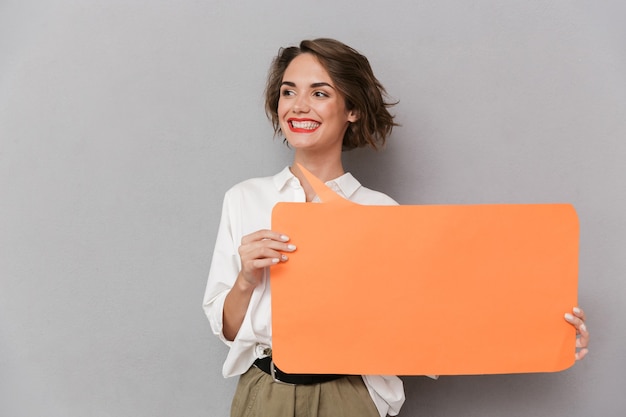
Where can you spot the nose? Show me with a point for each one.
(301, 104)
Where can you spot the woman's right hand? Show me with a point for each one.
(259, 250)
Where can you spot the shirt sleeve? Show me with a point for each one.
(225, 266)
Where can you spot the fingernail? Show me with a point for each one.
(576, 310)
(291, 247)
(583, 327)
(569, 317)
(284, 238)
(284, 257)
(275, 260)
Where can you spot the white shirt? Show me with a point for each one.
(248, 208)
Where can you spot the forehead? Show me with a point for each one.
(306, 68)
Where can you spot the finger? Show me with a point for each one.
(264, 234)
(267, 262)
(583, 340)
(581, 354)
(250, 258)
(574, 321)
(264, 249)
(578, 312)
(251, 270)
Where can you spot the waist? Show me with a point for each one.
(267, 365)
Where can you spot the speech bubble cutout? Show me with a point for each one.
(420, 290)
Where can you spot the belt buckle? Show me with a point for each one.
(273, 374)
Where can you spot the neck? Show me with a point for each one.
(325, 169)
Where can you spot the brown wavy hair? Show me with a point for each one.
(354, 79)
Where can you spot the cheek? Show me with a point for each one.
(335, 115)
(332, 111)
(282, 107)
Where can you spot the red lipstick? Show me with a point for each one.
(303, 125)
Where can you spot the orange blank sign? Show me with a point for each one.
(417, 290)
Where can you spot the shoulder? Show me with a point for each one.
(251, 184)
(367, 196)
(258, 193)
(352, 189)
(248, 205)
(258, 185)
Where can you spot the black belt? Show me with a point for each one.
(267, 365)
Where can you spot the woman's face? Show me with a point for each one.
(311, 111)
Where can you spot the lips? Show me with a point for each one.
(303, 125)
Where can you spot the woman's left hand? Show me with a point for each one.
(577, 319)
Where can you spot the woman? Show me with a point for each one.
(323, 97)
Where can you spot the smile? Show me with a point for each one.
(303, 126)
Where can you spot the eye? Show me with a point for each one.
(286, 92)
(320, 94)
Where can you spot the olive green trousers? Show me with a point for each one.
(258, 395)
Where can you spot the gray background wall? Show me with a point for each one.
(122, 123)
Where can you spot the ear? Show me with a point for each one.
(353, 116)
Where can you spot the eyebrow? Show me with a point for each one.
(314, 85)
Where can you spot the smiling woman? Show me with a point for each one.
(323, 97)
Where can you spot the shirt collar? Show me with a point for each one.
(345, 184)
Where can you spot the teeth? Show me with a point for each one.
(308, 125)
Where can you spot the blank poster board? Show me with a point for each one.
(419, 290)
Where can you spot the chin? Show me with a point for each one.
(300, 142)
